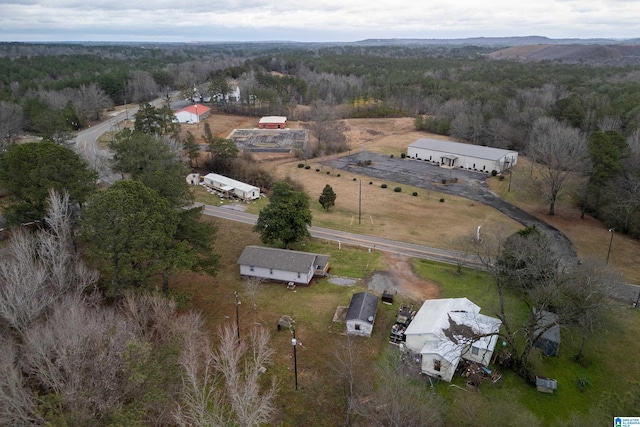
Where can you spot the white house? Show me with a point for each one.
(192, 114)
(449, 154)
(282, 265)
(447, 330)
(233, 95)
(361, 314)
(231, 186)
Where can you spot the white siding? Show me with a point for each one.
(359, 327)
(446, 369)
(274, 274)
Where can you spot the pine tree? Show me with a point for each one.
(327, 198)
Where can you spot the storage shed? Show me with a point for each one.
(231, 187)
(192, 114)
(450, 154)
(548, 326)
(361, 314)
(272, 122)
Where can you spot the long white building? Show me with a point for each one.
(449, 154)
(231, 186)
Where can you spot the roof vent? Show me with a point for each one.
(370, 319)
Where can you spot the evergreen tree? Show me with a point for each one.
(327, 198)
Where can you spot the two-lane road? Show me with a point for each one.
(343, 237)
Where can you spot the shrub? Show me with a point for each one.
(367, 162)
(307, 167)
(370, 182)
(300, 165)
(397, 189)
(494, 172)
(403, 155)
(383, 186)
(444, 181)
(328, 172)
(317, 170)
(415, 193)
(442, 200)
(354, 179)
(338, 175)
(391, 156)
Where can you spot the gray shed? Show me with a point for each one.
(549, 342)
(361, 314)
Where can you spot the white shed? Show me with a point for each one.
(231, 186)
(192, 114)
(450, 154)
(361, 314)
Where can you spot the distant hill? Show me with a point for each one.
(493, 41)
(593, 54)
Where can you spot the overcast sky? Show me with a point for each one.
(312, 20)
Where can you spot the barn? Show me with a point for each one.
(450, 154)
(440, 352)
(282, 265)
(192, 114)
(231, 187)
(361, 314)
(272, 122)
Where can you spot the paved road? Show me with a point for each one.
(622, 291)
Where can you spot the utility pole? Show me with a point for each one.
(237, 315)
(360, 204)
(295, 359)
(611, 230)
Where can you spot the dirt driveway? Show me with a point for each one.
(399, 277)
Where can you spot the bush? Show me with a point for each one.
(328, 172)
(444, 181)
(307, 167)
(442, 200)
(415, 193)
(317, 170)
(354, 179)
(403, 155)
(300, 165)
(383, 186)
(494, 172)
(370, 182)
(338, 175)
(367, 162)
(391, 156)
(397, 189)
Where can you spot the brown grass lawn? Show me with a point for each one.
(401, 216)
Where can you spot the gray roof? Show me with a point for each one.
(363, 305)
(281, 259)
(547, 318)
(460, 148)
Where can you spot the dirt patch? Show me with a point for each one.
(399, 277)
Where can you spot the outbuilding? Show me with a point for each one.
(361, 314)
(548, 327)
(282, 265)
(272, 122)
(450, 154)
(231, 187)
(192, 114)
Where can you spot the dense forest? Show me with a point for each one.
(51, 90)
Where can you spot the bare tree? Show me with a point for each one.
(398, 401)
(559, 150)
(11, 123)
(222, 385)
(252, 287)
(18, 405)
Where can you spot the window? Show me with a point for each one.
(436, 364)
(475, 351)
(251, 268)
(271, 271)
(357, 327)
(298, 275)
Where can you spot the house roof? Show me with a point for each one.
(197, 109)
(228, 182)
(281, 259)
(433, 318)
(362, 307)
(462, 149)
(273, 119)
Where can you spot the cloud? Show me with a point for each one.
(324, 20)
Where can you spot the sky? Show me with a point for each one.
(312, 20)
